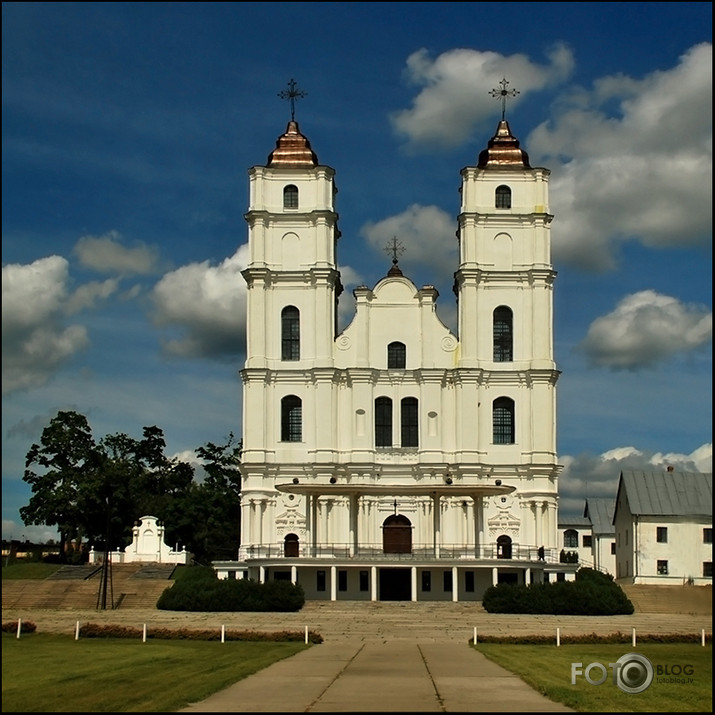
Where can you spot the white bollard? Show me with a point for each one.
(19, 626)
(306, 634)
(223, 634)
(558, 637)
(475, 635)
(144, 634)
(76, 631)
(633, 638)
(702, 637)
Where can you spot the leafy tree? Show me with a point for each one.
(66, 454)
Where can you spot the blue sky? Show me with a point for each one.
(128, 130)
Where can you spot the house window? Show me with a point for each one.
(290, 333)
(661, 534)
(320, 581)
(342, 580)
(587, 541)
(707, 536)
(613, 548)
(503, 332)
(570, 539)
(447, 581)
(469, 581)
(707, 569)
(364, 581)
(408, 418)
(503, 421)
(502, 197)
(383, 422)
(662, 568)
(426, 580)
(396, 356)
(290, 197)
(291, 419)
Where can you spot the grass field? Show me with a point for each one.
(55, 673)
(548, 670)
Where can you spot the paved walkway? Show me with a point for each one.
(355, 676)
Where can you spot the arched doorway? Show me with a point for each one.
(397, 535)
(291, 545)
(504, 547)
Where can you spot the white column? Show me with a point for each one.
(262, 574)
(455, 584)
(314, 523)
(294, 574)
(436, 536)
(413, 585)
(333, 583)
(477, 508)
(495, 576)
(539, 507)
(373, 583)
(261, 510)
(353, 529)
(527, 576)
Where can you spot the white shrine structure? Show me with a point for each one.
(397, 460)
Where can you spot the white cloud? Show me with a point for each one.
(589, 475)
(207, 304)
(643, 173)
(35, 340)
(644, 329)
(106, 254)
(455, 100)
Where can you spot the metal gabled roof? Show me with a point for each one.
(668, 493)
(600, 511)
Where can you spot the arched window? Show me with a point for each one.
(291, 419)
(503, 421)
(396, 355)
(290, 333)
(570, 539)
(291, 545)
(503, 334)
(502, 197)
(383, 422)
(290, 197)
(408, 418)
(504, 547)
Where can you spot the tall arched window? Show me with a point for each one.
(502, 197)
(503, 329)
(408, 420)
(290, 197)
(291, 419)
(503, 421)
(290, 333)
(396, 355)
(571, 539)
(383, 422)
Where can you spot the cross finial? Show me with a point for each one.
(292, 94)
(395, 248)
(502, 94)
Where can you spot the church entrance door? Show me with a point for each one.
(397, 535)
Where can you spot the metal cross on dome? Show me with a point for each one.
(395, 248)
(502, 94)
(292, 94)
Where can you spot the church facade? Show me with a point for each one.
(396, 460)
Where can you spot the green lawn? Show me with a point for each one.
(548, 670)
(29, 569)
(55, 673)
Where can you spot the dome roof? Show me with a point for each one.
(292, 149)
(503, 150)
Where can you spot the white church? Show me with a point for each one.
(396, 460)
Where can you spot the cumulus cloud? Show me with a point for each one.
(35, 339)
(589, 475)
(206, 305)
(455, 100)
(643, 172)
(107, 254)
(644, 329)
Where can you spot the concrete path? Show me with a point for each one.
(381, 677)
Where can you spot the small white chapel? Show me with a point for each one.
(396, 460)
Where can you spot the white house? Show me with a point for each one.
(591, 536)
(663, 524)
(398, 460)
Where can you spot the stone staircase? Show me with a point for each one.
(79, 587)
(696, 600)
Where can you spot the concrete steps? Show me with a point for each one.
(697, 600)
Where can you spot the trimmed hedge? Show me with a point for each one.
(204, 591)
(25, 627)
(593, 593)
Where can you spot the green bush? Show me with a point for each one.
(208, 593)
(592, 594)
